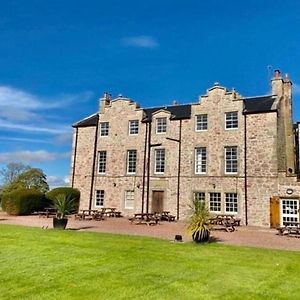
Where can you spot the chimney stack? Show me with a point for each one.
(104, 101)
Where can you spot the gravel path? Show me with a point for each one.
(244, 236)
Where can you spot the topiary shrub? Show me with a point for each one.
(69, 192)
(22, 202)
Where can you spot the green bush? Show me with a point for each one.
(22, 202)
(69, 192)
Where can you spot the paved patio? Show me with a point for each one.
(245, 236)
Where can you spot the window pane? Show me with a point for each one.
(129, 200)
(102, 162)
(104, 128)
(161, 125)
(215, 202)
(231, 120)
(201, 122)
(131, 161)
(231, 162)
(99, 201)
(134, 127)
(159, 160)
(200, 160)
(231, 203)
(199, 196)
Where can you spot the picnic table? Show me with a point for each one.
(110, 212)
(144, 218)
(86, 214)
(225, 222)
(47, 212)
(165, 216)
(290, 229)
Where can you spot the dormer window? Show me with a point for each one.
(161, 125)
(231, 120)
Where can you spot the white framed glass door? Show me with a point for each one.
(289, 211)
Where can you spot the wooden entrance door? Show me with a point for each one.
(157, 201)
(274, 212)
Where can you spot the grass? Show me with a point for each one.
(48, 264)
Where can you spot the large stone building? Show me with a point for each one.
(235, 153)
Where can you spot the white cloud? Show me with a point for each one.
(19, 105)
(56, 181)
(142, 41)
(16, 139)
(31, 156)
(34, 128)
(296, 89)
(64, 138)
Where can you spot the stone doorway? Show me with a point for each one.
(157, 201)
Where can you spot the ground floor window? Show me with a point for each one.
(289, 211)
(215, 202)
(129, 200)
(199, 196)
(99, 200)
(231, 203)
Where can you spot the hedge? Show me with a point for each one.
(68, 191)
(22, 201)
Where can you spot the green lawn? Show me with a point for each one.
(48, 264)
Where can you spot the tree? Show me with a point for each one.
(32, 179)
(12, 171)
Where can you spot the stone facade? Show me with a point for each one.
(264, 140)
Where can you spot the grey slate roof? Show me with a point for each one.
(252, 105)
(178, 112)
(87, 122)
(259, 104)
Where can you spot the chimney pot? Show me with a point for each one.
(277, 74)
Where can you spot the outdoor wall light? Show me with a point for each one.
(289, 191)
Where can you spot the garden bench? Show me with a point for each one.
(290, 229)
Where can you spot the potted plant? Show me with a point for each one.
(199, 222)
(65, 206)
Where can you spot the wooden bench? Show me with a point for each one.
(290, 229)
(226, 224)
(144, 218)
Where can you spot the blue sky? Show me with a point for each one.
(58, 57)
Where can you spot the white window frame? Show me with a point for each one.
(129, 196)
(200, 160)
(161, 125)
(231, 160)
(231, 203)
(102, 160)
(231, 120)
(99, 196)
(130, 162)
(104, 129)
(133, 127)
(215, 200)
(199, 122)
(199, 196)
(159, 162)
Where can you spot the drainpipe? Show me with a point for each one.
(148, 168)
(144, 167)
(179, 167)
(94, 163)
(74, 158)
(245, 170)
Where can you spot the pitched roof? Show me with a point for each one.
(87, 122)
(261, 104)
(178, 112)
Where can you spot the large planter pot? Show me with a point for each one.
(201, 236)
(59, 223)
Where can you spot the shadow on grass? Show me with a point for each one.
(213, 239)
(80, 228)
